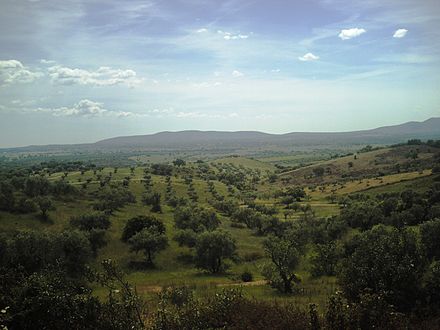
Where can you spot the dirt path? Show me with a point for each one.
(157, 288)
(254, 283)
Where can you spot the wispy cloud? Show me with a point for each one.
(232, 36)
(84, 108)
(408, 58)
(351, 33)
(47, 62)
(237, 74)
(172, 113)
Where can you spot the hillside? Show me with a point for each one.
(370, 164)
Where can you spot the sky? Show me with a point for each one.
(75, 71)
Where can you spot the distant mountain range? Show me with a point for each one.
(383, 135)
(210, 140)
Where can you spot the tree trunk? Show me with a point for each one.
(287, 284)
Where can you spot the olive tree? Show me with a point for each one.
(150, 241)
(212, 248)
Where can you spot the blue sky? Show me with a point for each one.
(82, 70)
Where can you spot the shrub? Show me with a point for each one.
(246, 276)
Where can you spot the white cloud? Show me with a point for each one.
(232, 36)
(84, 108)
(351, 33)
(104, 76)
(308, 57)
(237, 74)
(10, 64)
(202, 30)
(13, 71)
(400, 33)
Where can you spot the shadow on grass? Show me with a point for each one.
(45, 219)
(141, 265)
(185, 258)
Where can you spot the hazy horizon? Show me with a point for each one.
(81, 71)
(213, 131)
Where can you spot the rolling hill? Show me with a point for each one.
(233, 141)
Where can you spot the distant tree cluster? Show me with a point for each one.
(27, 194)
(407, 208)
(112, 198)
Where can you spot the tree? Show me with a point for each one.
(324, 259)
(273, 178)
(87, 222)
(150, 241)
(94, 224)
(45, 204)
(62, 188)
(152, 199)
(155, 203)
(75, 251)
(318, 171)
(137, 224)
(429, 236)
(36, 186)
(389, 205)
(186, 237)
(362, 215)
(97, 239)
(247, 216)
(7, 199)
(432, 284)
(179, 162)
(284, 254)
(212, 249)
(162, 169)
(383, 260)
(295, 192)
(113, 198)
(197, 219)
(25, 205)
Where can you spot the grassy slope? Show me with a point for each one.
(368, 164)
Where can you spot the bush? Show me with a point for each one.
(177, 296)
(246, 276)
